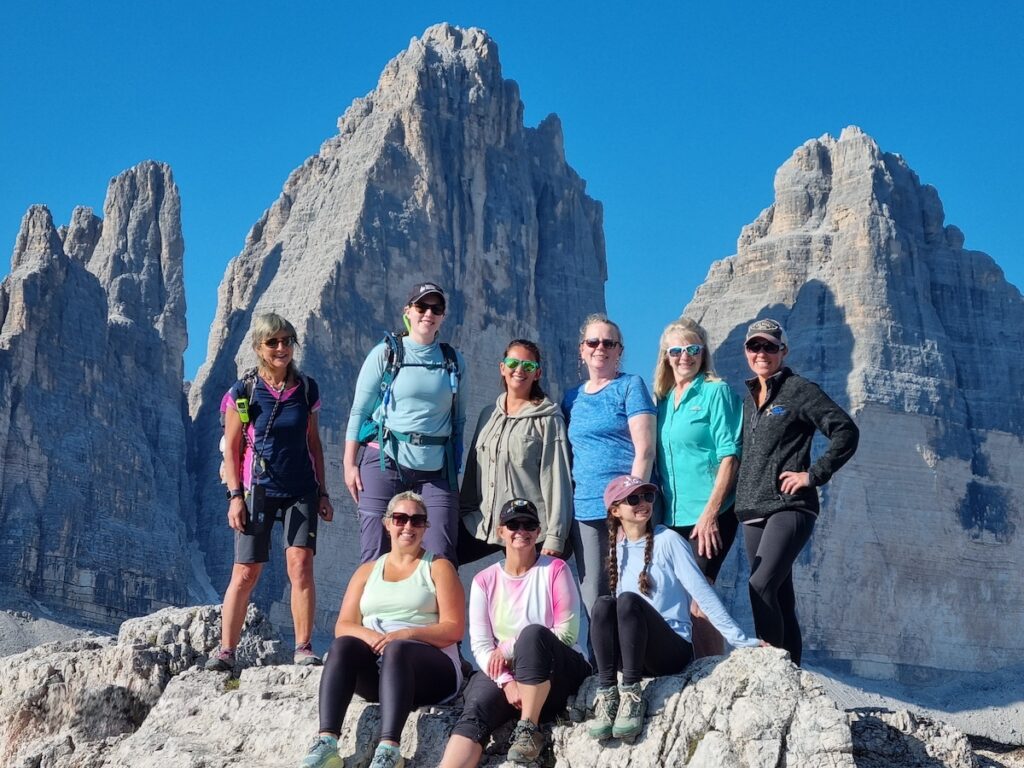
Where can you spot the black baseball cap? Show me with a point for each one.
(518, 509)
(425, 289)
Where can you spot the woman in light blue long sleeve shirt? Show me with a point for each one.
(643, 628)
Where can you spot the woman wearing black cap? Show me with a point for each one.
(523, 625)
(407, 415)
(776, 496)
(644, 626)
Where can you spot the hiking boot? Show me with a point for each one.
(222, 661)
(305, 657)
(387, 756)
(527, 742)
(323, 753)
(606, 706)
(629, 720)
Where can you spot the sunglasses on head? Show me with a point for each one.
(401, 519)
(603, 343)
(522, 525)
(691, 349)
(635, 498)
(757, 345)
(288, 341)
(424, 306)
(528, 366)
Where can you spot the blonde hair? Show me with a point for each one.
(265, 326)
(664, 379)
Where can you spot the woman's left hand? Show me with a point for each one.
(709, 539)
(550, 552)
(398, 634)
(791, 482)
(326, 509)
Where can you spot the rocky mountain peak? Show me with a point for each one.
(90, 380)
(432, 176)
(924, 341)
(37, 242)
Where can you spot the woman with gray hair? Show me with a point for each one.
(274, 470)
(700, 420)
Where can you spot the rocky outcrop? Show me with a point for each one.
(139, 702)
(92, 429)
(432, 175)
(923, 340)
(69, 702)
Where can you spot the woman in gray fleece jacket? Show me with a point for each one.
(776, 490)
(519, 450)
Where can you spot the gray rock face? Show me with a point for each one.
(432, 175)
(923, 340)
(92, 426)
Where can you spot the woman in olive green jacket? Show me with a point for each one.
(519, 450)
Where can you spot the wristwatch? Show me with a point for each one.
(235, 493)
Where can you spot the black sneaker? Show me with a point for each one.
(222, 661)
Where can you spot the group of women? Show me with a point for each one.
(588, 479)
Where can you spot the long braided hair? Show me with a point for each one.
(614, 526)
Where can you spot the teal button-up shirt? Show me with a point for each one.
(693, 438)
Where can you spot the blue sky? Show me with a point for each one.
(677, 115)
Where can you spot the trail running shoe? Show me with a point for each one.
(222, 661)
(387, 756)
(527, 742)
(305, 657)
(606, 707)
(630, 718)
(323, 753)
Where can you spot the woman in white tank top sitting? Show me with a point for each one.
(395, 638)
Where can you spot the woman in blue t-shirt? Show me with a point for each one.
(611, 420)
(274, 469)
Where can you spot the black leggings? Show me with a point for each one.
(410, 675)
(629, 634)
(539, 657)
(772, 547)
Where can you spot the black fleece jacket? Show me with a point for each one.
(777, 438)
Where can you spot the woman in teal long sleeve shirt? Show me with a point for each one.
(700, 421)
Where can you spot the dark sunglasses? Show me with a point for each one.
(288, 341)
(634, 498)
(529, 366)
(522, 525)
(603, 343)
(423, 307)
(763, 346)
(417, 521)
(691, 349)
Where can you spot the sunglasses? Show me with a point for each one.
(603, 343)
(423, 307)
(763, 346)
(634, 498)
(528, 366)
(401, 519)
(287, 341)
(522, 525)
(691, 349)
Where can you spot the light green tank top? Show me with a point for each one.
(389, 605)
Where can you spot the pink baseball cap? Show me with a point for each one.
(623, 485)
